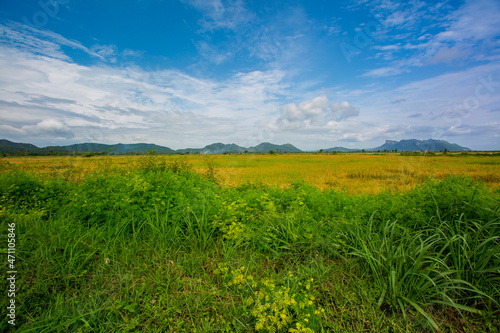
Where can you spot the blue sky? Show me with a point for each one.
(187, 73)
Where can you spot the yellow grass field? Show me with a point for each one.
(353, 173)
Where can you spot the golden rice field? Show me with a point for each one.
(353, 173)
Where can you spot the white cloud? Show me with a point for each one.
(385, 71)
(211, 54)
(10, 130)
(440, 107)
(448, 54)
(132, 53)
(477, 20)
(107, 52)
(218, 14)
(36, 41)
(362, 132)
(462, 32)
(314, 113)
(341, 111)
(334, 27)
(48, 127)
(388, 47)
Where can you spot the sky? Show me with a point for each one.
(188, 73)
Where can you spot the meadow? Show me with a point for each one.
(353, 173)
(253, 243)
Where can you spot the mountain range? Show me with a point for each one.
(8, 147)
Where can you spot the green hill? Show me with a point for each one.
(119, 148)
(221, 148)
(420, 145)
(265, 147)
(9, 147)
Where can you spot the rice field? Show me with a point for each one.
(353, 173)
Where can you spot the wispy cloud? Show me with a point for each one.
(475, 21)
(277, 39)
(218, 14)
(455, 35)
(106, 52)
(385, 71)
(37, 41)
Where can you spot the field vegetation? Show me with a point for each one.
(353, 173)
(260, 243)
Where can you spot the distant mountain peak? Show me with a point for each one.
(265, 147)
(222, 148)
(420, 145)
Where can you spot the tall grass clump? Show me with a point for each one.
(447, 255)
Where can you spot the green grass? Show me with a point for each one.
(158, 248)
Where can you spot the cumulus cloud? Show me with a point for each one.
(49, 127)
(316, 112)
(341, 111)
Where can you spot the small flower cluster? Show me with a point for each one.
(267, 204)
(276, 307)
(221, 269)
(273, 307)
(240, 279)
(231, 221)
(235, 231)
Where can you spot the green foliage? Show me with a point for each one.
(91, 154)
(211, 168)
(424, 269)
(160, 248)
(156, 163)
(412, 153)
